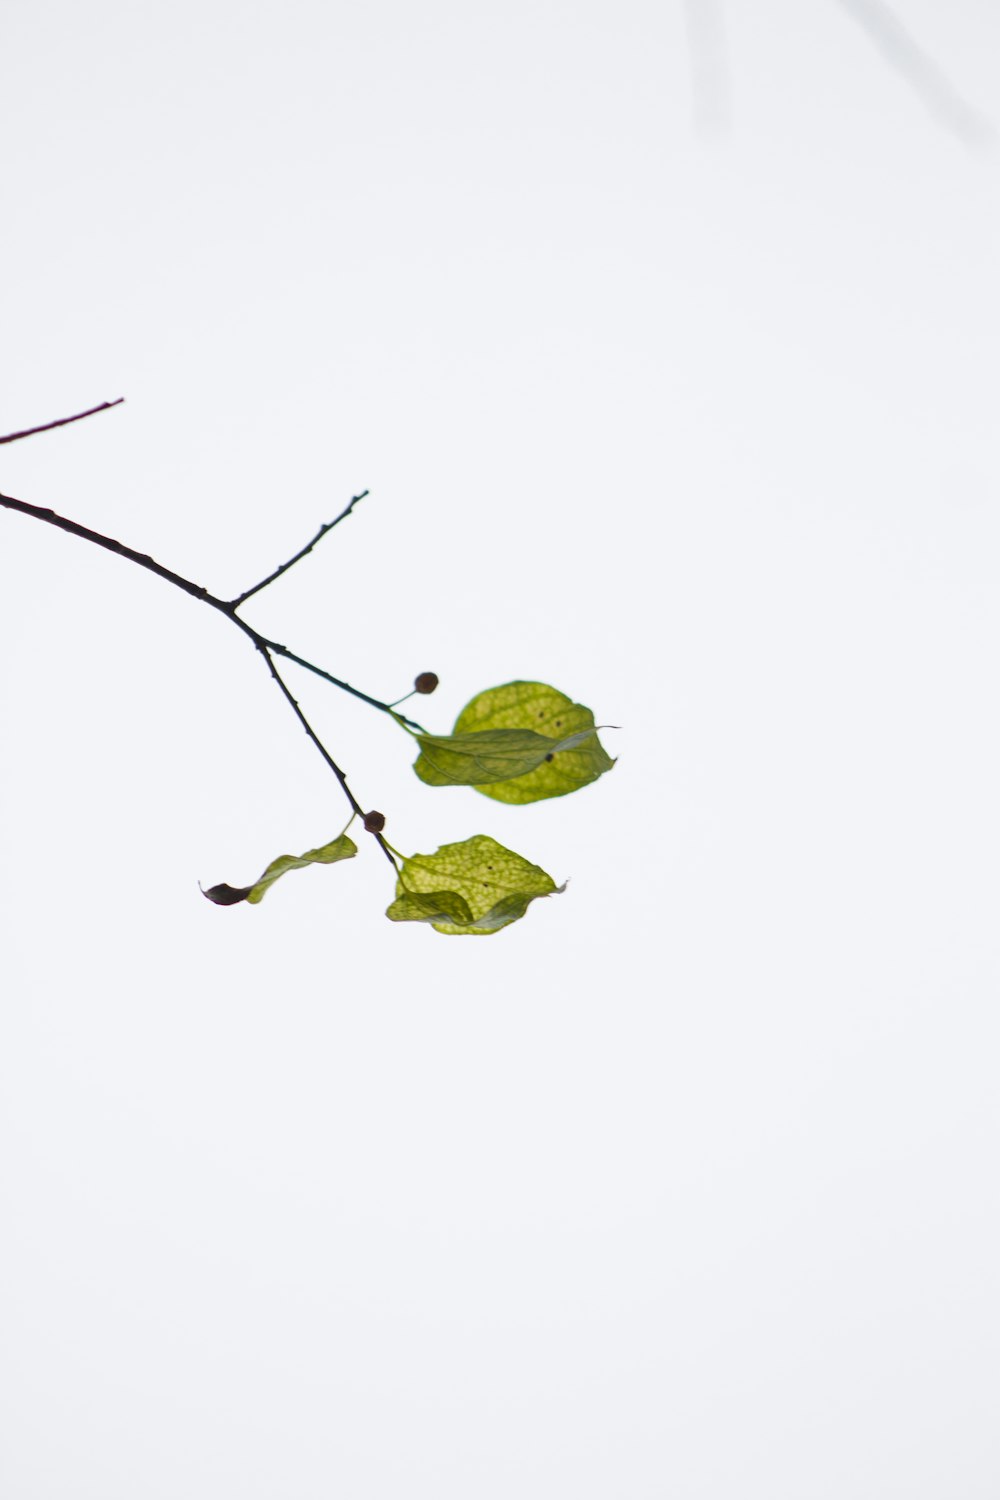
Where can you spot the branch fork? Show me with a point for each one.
(229, 607)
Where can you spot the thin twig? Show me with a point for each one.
(42, 513)
(226, 607)
(386, 708)
(321, 533)
(355, 804)
(13, 437)
(197, 591)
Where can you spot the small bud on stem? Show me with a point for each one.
(425, 683)
(374, 822)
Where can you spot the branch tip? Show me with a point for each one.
(13, 437)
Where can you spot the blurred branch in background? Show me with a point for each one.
(920, 72)
(710, 90)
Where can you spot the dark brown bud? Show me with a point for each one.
(426, 682)
(374, 822)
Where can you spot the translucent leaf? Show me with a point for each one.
(329, 854)
(475, 887)
(518, 743)
(488, 755)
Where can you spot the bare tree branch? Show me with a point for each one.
(14, 437)
(266, 647)
(303, 552)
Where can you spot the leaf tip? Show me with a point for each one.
(225, 895)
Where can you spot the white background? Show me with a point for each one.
(683, 399)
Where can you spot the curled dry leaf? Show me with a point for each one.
(230, 895)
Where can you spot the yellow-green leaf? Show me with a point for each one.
(518, 743)
(488, 755)
(329, 854)
(475, 887)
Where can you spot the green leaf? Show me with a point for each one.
(329, 854)
(475, 887)
(487, 756)
(518, 743)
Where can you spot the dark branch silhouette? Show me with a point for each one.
(13, 437)
(228, 607)
(507, 746)
(321, 533)
(923, 75)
